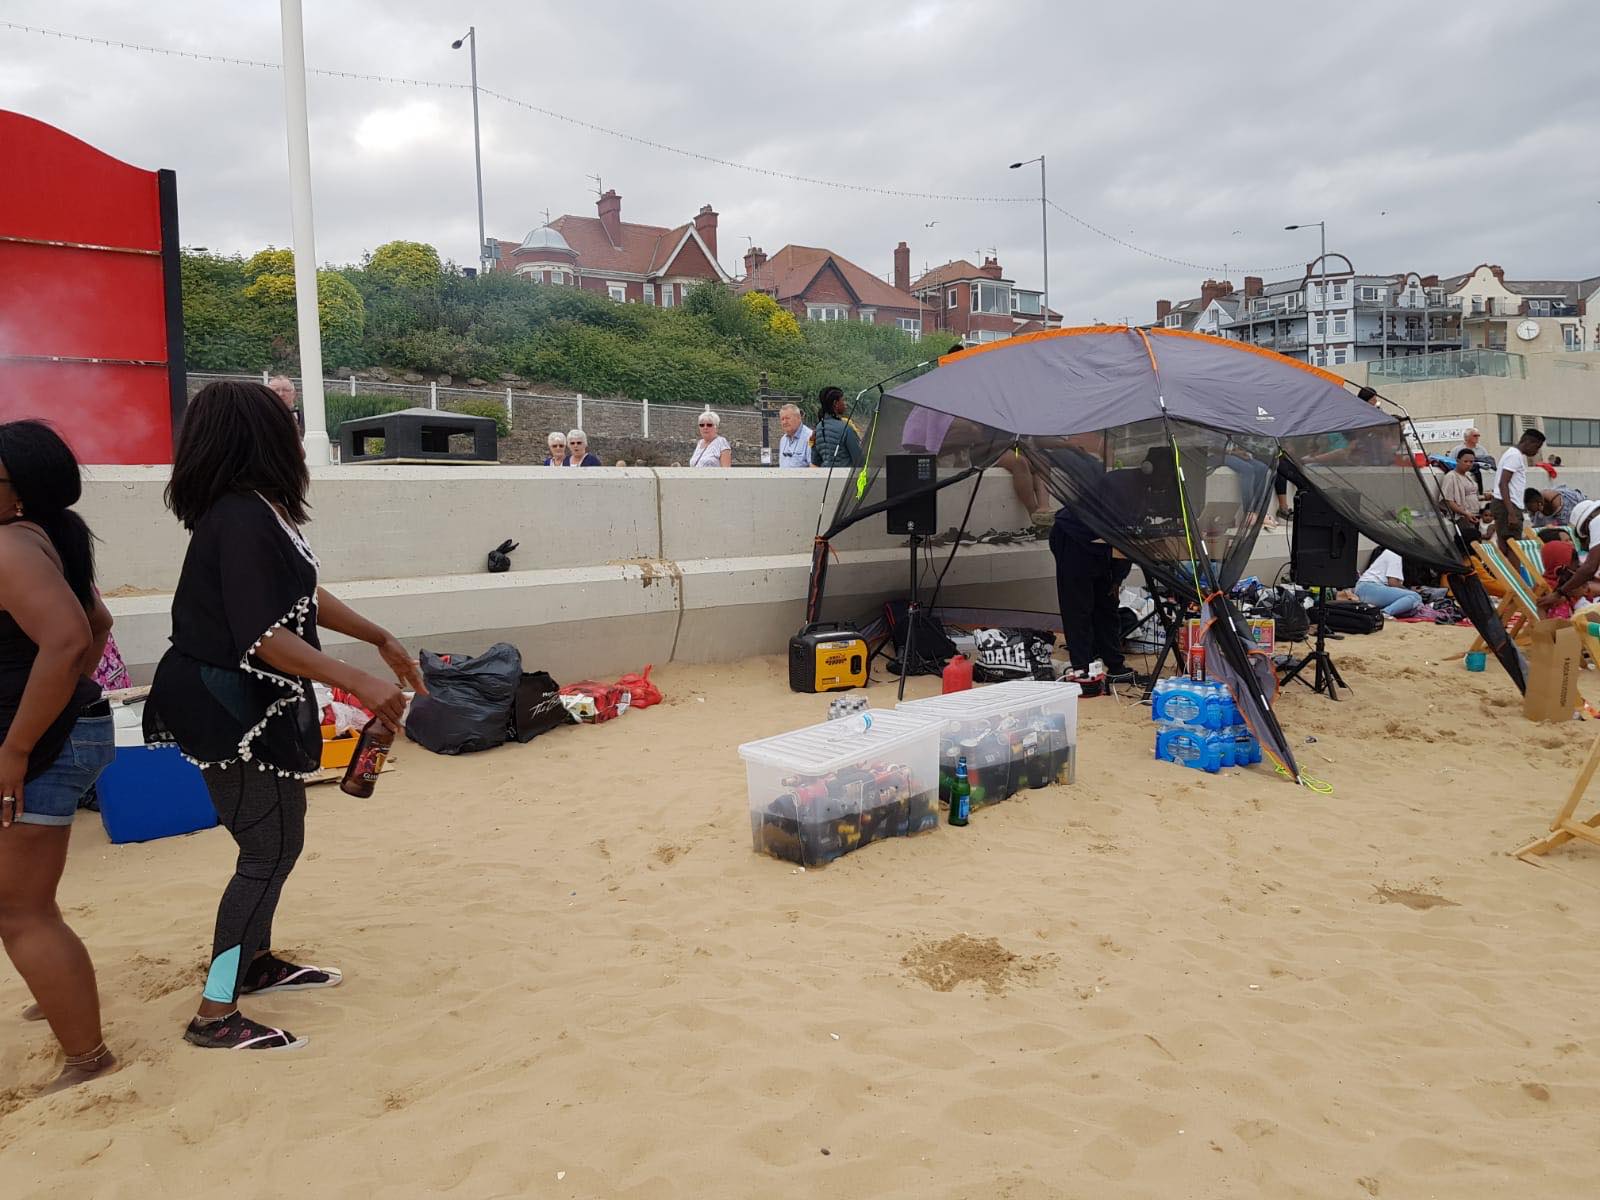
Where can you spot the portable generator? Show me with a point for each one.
(827, 657)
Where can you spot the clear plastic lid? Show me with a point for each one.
(833, 745)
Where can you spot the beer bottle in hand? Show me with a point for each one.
(960, 794)
(361, 776)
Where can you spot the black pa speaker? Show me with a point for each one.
(903, 475)
(1322, 551)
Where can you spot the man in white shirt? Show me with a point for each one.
(794, 447)
(1511, 482)
(1382, 585)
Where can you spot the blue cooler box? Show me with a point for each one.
(151, 792)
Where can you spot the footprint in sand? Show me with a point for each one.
(1412, 898)
(1254, 1131)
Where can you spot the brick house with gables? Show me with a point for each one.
(979, 303)
(817, 284)
(637, 264)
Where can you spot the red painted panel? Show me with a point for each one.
(107, 414)
(81, 303)
(77, 302)
(71, 192)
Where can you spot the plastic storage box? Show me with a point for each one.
(829, 789)
(1017, 735)
(150, 792)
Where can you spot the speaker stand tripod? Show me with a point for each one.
(913, 614)
(1325, 677)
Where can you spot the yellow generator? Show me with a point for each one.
(827, 657)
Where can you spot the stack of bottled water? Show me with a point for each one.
(1199, 725)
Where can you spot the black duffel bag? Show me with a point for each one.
(1352, 616)
(468, 705)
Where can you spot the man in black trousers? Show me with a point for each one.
(1088, 583)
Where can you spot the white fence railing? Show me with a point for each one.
(621, 417)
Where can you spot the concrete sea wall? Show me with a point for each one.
(616, 568)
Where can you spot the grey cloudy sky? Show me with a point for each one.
(1429, 138)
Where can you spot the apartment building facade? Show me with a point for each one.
(1333, 316)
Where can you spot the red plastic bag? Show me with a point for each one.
(643, 691)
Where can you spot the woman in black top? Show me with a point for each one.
(55, 730)
(234, 691)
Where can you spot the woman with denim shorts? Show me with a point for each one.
(55, 729)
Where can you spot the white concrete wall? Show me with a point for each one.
(614, 569)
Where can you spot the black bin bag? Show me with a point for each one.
(468, 705)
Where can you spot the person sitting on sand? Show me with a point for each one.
(233, 691)
(1383, 585)
(55, 730)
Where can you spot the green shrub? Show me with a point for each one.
(484, 408)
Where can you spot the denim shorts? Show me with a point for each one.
(52, 798)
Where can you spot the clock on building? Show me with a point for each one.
(1528, 330)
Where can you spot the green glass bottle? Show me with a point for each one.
(960, 795)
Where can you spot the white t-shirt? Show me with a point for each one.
(710, 455)
(1385, 567)
(1516, 462)
(795, 451)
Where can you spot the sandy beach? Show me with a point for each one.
(567, 975)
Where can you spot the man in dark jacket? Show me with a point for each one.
(835, 444)
(1088, 583)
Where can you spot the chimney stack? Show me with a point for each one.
(705, 224)
(610, 206)
(1252, 286)
(1163, 307)
(902, 267)
(1498, 272)
(1213, 289)
(754, 259)
(991, 268)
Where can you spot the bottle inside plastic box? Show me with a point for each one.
(828, 790)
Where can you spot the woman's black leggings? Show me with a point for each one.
(266, 814)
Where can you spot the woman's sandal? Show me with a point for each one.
(269, 974)
(238, 1032)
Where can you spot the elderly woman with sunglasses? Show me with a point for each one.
(713, 449)
(557, 446)
(578, 452)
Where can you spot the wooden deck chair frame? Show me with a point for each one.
(1518, 611)
(1566, 827)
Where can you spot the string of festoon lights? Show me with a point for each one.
(638, 140)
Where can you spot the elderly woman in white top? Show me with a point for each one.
(713, 449)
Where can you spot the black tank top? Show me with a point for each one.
(17, 652)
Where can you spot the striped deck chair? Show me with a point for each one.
(1531, 555)
(1566, 827)
(1518, 611)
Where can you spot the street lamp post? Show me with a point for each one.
(1044, 231)
(1322, 286)
(471, 40)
